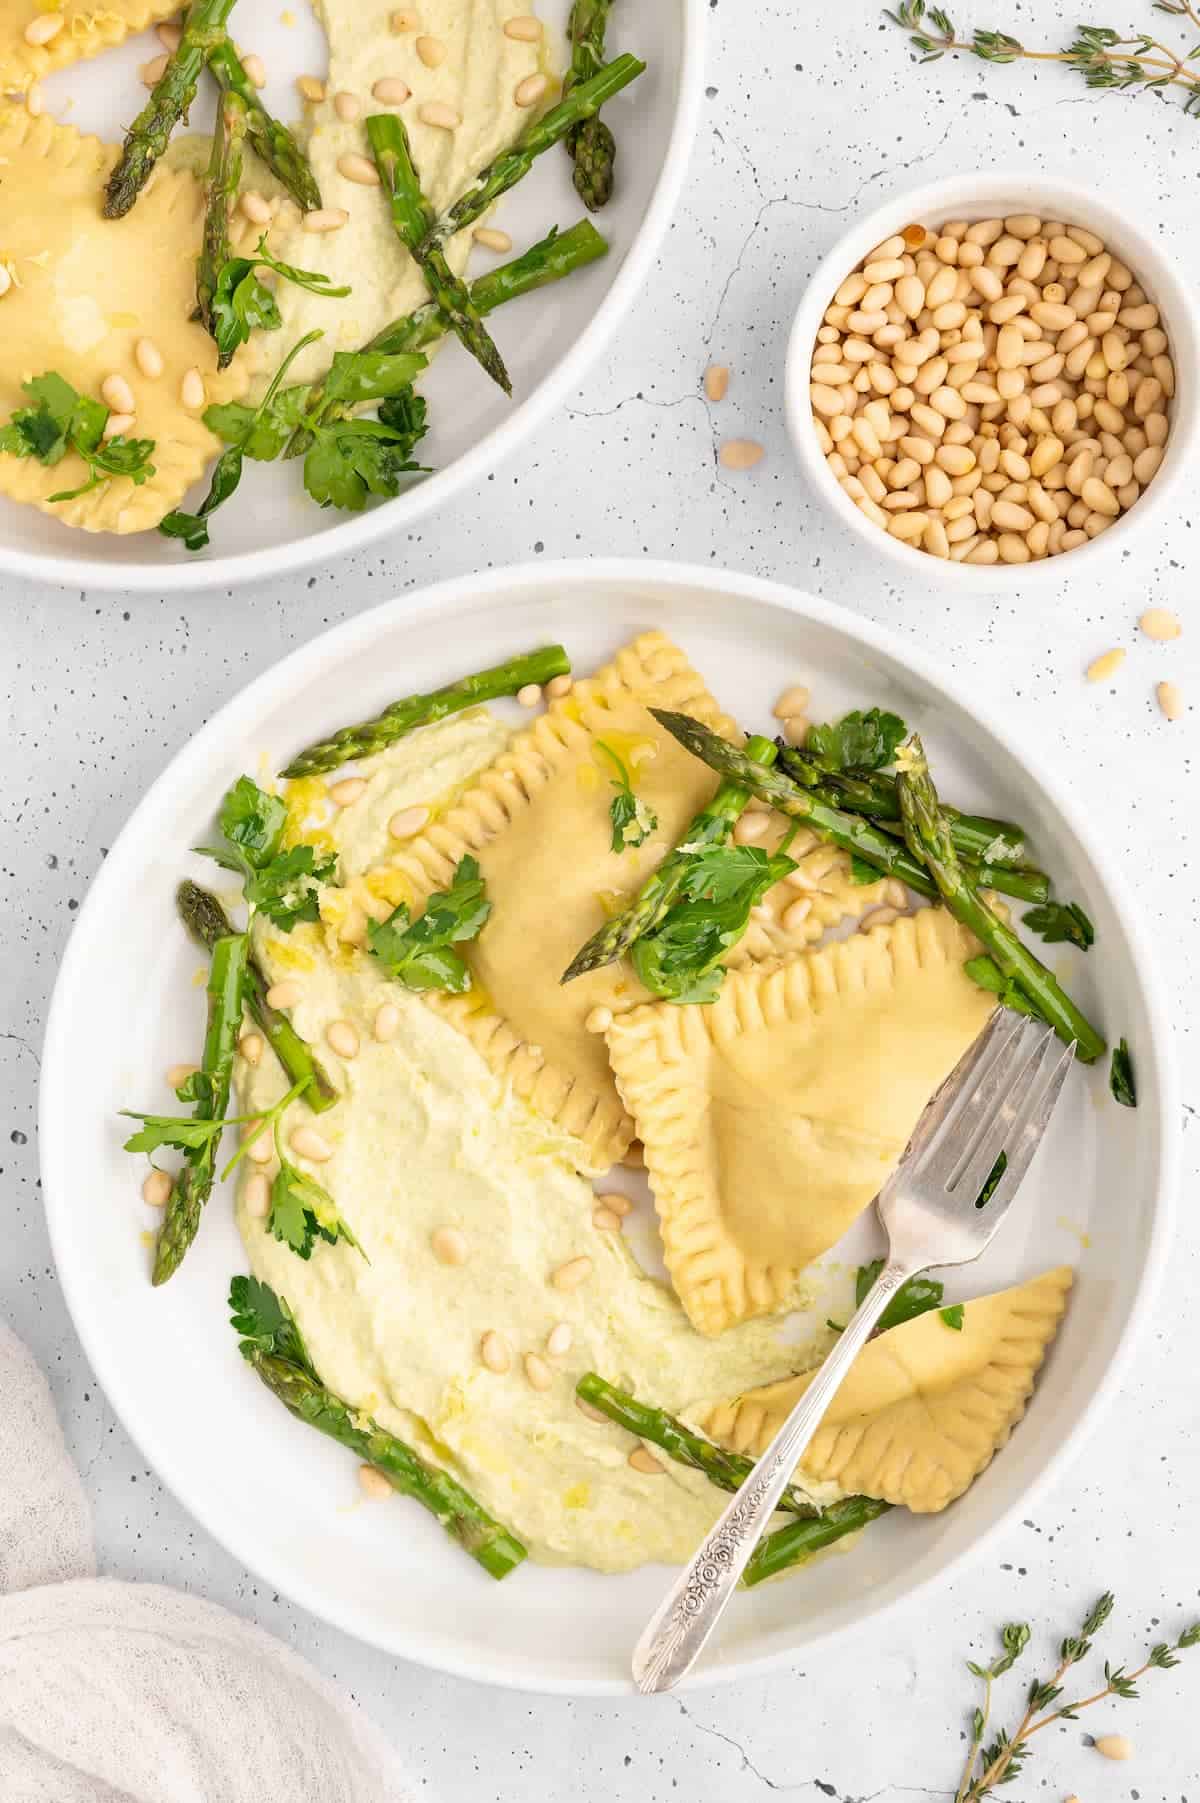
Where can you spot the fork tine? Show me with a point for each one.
(977, 1098)
(1018, 1126)
(993, 1103)
(946, 1108)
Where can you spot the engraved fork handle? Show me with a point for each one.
(675, 1635)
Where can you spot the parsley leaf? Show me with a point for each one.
(680, 959)
(302, 1211)
(420, 953)
(914, 1298)
(279, 884)
(862, 741)
(158, 1130)
(1061, 922)
(260, 432)
(1120, 1076)
(953, 1316)
(355, 458)
(265, 1322)
(285, 889)
(60, 419)
(632, 821)
(241, 303)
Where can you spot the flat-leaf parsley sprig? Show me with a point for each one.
(420, 953)
(633, 820)
(1099, 54)
(1000, 1760)
(281, 884)
(60, 419)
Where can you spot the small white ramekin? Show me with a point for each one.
(986, 195)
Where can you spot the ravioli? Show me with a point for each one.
(86, 30)
(771, 1118)
(85, 289)
(923, 1408)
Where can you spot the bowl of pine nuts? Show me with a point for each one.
(991, 372)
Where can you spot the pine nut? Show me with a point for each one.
(431, 51)
(178, 1074)
(795, 914)
(43, 28)
(492, 239)
(795, 730)
(1114, 1746)
(1170, 700)
(387, 1023)
(118, 424)
(156, 1190)
(284, 995)
(524, 28)
(357, 168)
(251, 1046)
(436, 112)
(116, 394)
(530, 91)
(325, 219)
(558, 1340)
(494, 1352)
(151, 73)
(537, 1371)
(558, 686)
(649, 1466)
(570, 1275)
(1099, 497)
(750, 828)
(306, 1142)
(1105, 666)
(406, 822)
(529, 695)
(261, 1148)
(343, 1037)
(348, 108)
(741, 453)
(373, 1483)
(605, 1221)
(257, 1196)
(449, 1246)
(256, 69)
(169, 36)
(191, 390)
(613, 1199)
(792, 701)
(310, 88)
(33, 100)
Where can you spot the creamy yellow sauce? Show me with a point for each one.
(425, 1137)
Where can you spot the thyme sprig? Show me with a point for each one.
(1000, 1760)
(1099, 54)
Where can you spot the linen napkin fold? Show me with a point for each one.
(135, 1693)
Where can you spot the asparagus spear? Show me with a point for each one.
(403, 717)
(727, 1470)
(206, 920)
(193, 1186)
(412, 218)
(273, 1345)
(224, 179)
(929, 838)
(590, 144)
(500, 175)
(170, 98)
(273, 142)
(711, 826)
(799, 1540)
(551, 258)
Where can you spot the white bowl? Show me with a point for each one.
(549, 339)
(279, 1496)
(987, 195)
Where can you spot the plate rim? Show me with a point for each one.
(332, 647)
(484, 457)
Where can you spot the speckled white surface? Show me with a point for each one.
(809, 117)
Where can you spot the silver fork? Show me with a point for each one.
(942, 1205)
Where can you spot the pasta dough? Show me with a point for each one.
(86, 29)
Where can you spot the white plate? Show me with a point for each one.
(279, 1497)
(548, 339)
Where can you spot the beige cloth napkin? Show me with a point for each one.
(133, 1693)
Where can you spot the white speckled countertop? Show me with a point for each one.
(810, 116)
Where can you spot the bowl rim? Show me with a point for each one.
(343, 640)
(975, 194)
(485, 456)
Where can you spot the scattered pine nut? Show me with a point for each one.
(570, 1275)
(156, 1190)
(1170, 700)
(494, 1353)
(256, 69)
(537, 1371)
(151, 73)
(449, 1246)
(261, 1148)
(1105, 666)
(284, 995)
(524, 28)
(406, 822)
(358, 168)
(306, 1142)
(559, 686)
(258, 1196)
(795, 915)
(530, 91)
(1114, 1746)
(389, 90)
(431, 51)
(148, 358)
(436, 112)
(311, 87)
(750, 827)
(605, 1221)
(387, 1023)
(740, 454)
(645, 1462)
(793, 701)
(373, 1483)
(117, 424)
(33, 100)
(1160, 623)
(559, 1339)
(530, 695)
(191, 390)
(492, 239)
(599, 1020)
(325, 219)
(251, 1046)
(716, 381)
(348, 108)
(168, 36)
(348, 791)
(795, 730)
(178, 1074)
(343, 1037)
(43, 28)
(116, 394)
(613, 1199)
(590, 1410)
